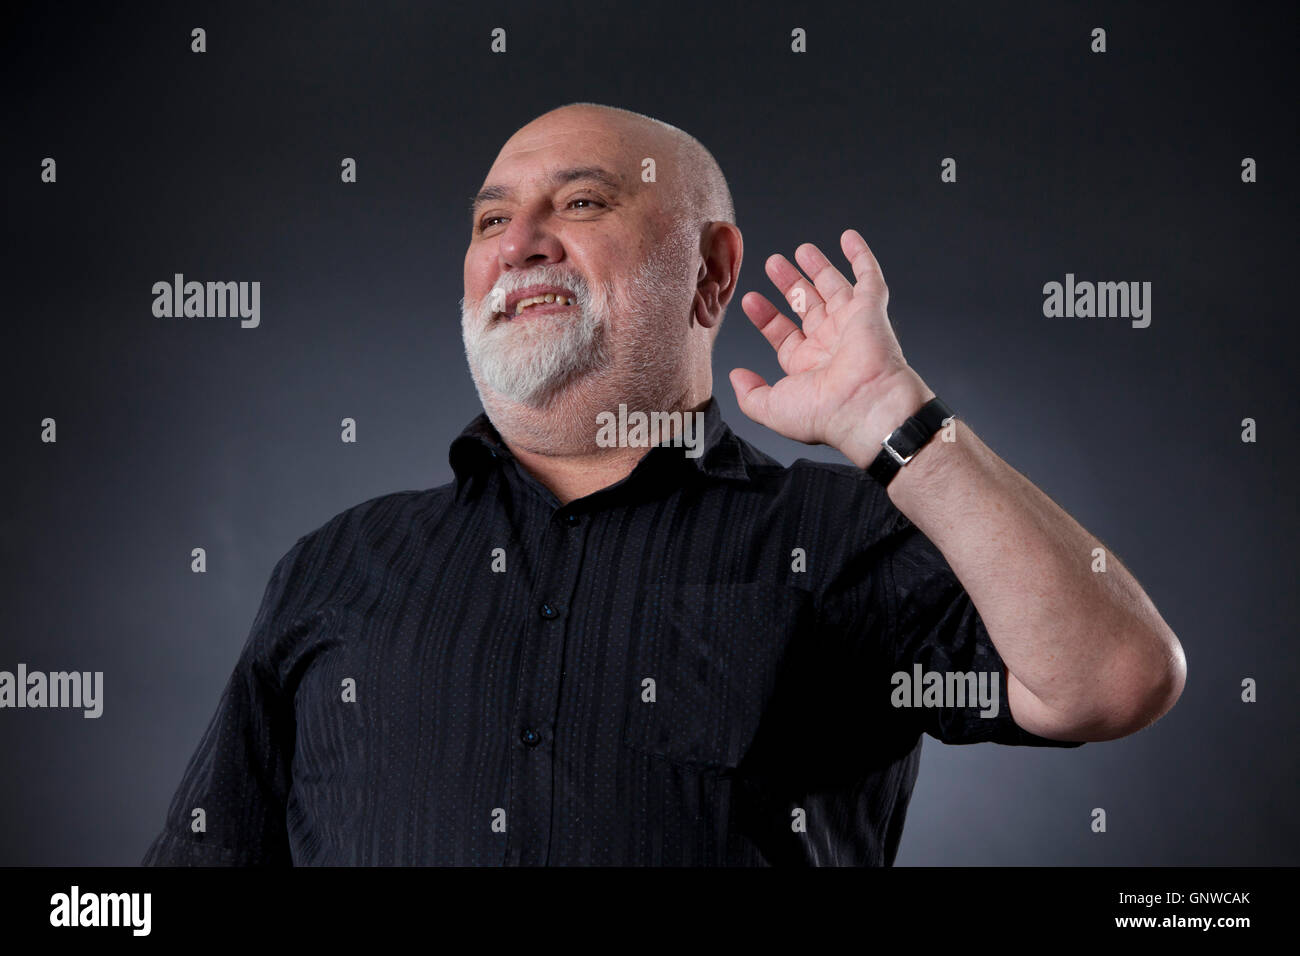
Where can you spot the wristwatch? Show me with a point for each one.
(902, 444)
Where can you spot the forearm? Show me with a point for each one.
(1087, 653)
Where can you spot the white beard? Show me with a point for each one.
(532, 361)
(528, 360)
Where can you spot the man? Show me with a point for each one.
(607, 644)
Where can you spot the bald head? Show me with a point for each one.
(697, 190)
(638, 269)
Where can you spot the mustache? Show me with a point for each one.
(512, 282)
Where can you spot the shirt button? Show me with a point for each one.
(531, 737)
(548, 611)
(571, 518)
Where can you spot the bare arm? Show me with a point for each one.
(1088, 655)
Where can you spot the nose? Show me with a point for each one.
(527, 241)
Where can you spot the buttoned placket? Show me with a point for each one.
(545, 635)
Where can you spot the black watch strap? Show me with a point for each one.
(907, 439)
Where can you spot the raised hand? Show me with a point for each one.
(845, 373)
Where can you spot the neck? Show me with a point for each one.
(556, 443)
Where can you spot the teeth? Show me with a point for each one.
(545, 298)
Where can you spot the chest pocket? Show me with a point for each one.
(714, 655)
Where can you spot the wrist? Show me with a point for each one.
(937, 465)
(901, 396)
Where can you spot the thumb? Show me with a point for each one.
(752, 394)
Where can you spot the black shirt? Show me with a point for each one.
(689, 667)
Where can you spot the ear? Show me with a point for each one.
(721, 250)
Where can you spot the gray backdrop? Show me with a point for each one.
(183, 433)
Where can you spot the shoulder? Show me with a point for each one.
(367, 526)
(340, 561)
(835, 493)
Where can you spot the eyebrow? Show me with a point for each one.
(558, 178)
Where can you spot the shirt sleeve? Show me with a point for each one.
(239, 776)
(934, 629)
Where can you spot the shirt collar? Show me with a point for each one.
(479, 446)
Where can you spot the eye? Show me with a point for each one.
(487, 222)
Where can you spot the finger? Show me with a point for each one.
(830, 282)
(751, 393)
(802, 295)
(781, 333)
(865, 266)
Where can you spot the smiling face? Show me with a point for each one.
(578, 274)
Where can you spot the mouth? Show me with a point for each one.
(535, 311)
(548, 302)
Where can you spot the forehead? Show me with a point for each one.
(563, 141)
